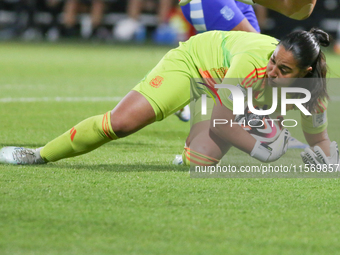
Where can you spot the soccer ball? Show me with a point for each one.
(263, 128)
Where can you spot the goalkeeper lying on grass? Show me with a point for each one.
(249, 59)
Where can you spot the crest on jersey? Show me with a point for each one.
(156, 82)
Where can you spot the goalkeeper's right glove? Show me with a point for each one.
(273, 151)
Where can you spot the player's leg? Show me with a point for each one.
(295, 9)
(126, 28)
(97, 11)
(202, 147)
(130, 115)
(162, 92)
(70, 13)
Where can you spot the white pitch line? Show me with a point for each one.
(59, 99)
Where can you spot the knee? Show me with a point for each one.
(121, 125)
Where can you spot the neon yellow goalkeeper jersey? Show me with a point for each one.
(245, 59)
(214, 57)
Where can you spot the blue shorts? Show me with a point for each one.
(206, 15)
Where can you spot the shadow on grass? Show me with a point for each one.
(113, 167)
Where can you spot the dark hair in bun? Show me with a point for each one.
(321, 36)
(305, 46)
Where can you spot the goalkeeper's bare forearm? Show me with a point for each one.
(320, 139)
(241, 139)
(234, 134)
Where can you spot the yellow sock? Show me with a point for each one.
(195, 158)
(82, 138)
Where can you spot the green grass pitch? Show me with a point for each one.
(127, 197)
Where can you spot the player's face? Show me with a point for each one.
(283, 68)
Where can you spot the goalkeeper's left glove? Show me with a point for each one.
(318, 157)
(184, 2)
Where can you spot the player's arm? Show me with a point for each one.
(294, 9)
(232, 133)
(320, 139)
(241, 139)
(222, 119)
(244, 25)
(322, 150)
(239, 22)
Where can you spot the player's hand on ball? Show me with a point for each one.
(272, 151)
(318, 157)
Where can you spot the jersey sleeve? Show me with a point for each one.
(219, 15)
(317, 122)
(243, 74)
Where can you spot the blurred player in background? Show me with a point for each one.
(226, 15)
(127, 28)
(294, 9)
(71, 9)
